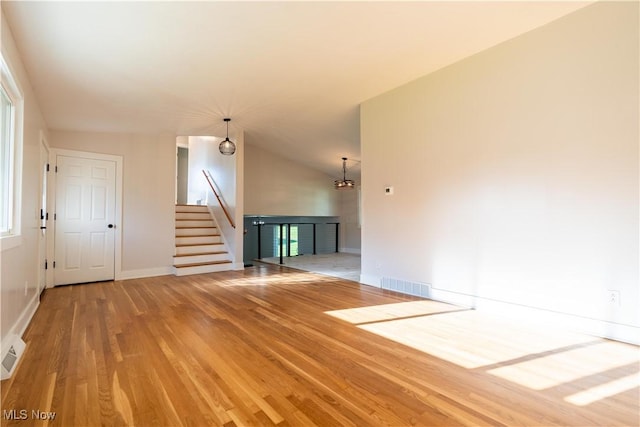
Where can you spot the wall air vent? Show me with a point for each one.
(11, 356)
(406, 287)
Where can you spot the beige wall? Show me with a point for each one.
(515, 174)
(278, 186)
(19, 265)
(149, 181)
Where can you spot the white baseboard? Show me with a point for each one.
(14, 335)
(519, 312)
(149, 272)
(238, 266)
(23, 321)
(355, 251)
(597, 327)
(370, 279)
(463, 300)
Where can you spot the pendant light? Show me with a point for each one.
(227, 147)
(343, 183)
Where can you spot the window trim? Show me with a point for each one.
(10, 84)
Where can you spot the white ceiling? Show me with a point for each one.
(290, 74)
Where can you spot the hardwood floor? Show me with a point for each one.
(271, 345)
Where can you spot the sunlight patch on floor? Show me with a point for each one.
(471, 340)
(567, 366)
(535, 357)
(378, 313)
(280, 279)
(343, 265)
(602, 391)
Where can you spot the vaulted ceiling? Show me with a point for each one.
(290, 74)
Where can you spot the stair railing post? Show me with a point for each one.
(314, 238)
(281, 243)
(259, 240)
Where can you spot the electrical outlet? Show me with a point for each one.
(613, 297)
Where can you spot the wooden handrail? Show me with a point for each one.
(213, 188)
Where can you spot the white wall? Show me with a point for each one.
(19, 265)
(149, 180)
(516, 174)
(278, 186)
(201, 150)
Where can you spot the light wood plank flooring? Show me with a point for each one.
(276, 346)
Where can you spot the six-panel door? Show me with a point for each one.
(85, 214)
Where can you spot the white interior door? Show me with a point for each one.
(85, 215)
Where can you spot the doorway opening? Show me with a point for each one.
(182, 174)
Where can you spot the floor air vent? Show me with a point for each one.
(10, 359)
(404, 286)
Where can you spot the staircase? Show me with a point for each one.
(199, 246)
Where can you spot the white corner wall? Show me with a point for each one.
(19, 265)
(350, 241)
(516, 175)
(227, 173)
(149, 182)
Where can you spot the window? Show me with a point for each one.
(10, 153)
(6, 165)
(292, 248)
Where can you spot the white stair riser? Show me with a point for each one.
(192, 215)
(194, 223)
(185, 271)
(185, 250)
(200, 240)
(196, 231)
(192, 208)
(192, 259)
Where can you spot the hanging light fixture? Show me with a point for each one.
(227, 147)
(340, 184)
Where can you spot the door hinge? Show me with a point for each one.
(56, 169)
(55, 217)
(46, 216)
(41, 214)
(54, 264)
(47, 167)
(46, 264)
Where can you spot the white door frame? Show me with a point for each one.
(48, 254)
(118, 196)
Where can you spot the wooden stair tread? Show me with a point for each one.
(202, 253)
(198, 264)
(180, 245)
(195, 227)
(200, 235)
(201, 213)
